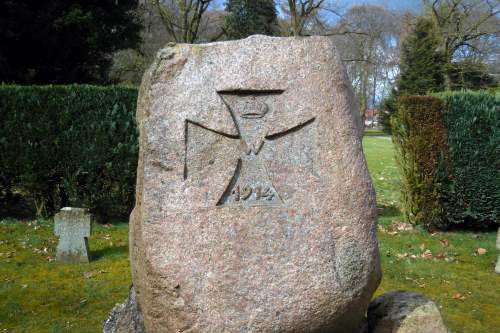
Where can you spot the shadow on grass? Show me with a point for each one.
(472, 226)
(108, 252)
(16, 206)
(374, 132)
(388, 210)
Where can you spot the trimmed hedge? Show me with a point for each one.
(449, 156)
(419, 134)
(471, 187)
(69, 145)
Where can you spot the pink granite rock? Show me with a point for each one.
(254, 211)
(404, 312)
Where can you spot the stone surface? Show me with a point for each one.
(254, 209)
(125, 317)
(497, 267)
(73, 227)
(404, 312)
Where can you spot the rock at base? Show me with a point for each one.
(125, 317)
(404, 312)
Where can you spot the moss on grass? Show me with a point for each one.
(445, 266)
(38, 294)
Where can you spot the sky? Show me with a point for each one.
(399, 5)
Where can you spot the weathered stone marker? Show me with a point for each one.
(254, 210)
(73, 226)
(497, 267)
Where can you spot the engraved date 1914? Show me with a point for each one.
(245, 193)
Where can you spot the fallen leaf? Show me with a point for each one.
(440, 255)
(445, 242)
(392, 233)
(458, 296)
(88, 275)
(402, 226)
(427, 254)
(481, 251)
(402, 255)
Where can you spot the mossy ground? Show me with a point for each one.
(37, 294)
(446, 266)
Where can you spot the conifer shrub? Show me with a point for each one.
(72, 145)
(471, 185)
(419, 134)
(448, 149)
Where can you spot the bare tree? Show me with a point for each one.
(469, 28)
(368, 39)
(300, 13)
(182, 18)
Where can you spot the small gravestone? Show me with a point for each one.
(497, 268)
(73, 226)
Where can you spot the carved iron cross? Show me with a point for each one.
(250, 184)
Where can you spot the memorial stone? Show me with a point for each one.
(73, 226)
(254, 209)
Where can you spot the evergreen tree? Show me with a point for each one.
(422, 63)
(249, 17)
(421, 68)
(424, 69)
(468, 74)
(63, 41)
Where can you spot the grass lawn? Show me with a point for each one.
(39, 295)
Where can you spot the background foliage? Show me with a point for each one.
(419, 135)
(69, 145)
(421, 61)
(63, 41)
(247, 17)
(471, 189)
(449, 158)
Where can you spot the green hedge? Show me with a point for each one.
(69, 145)
(471, 187)
(419, 135)
(449, 155)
